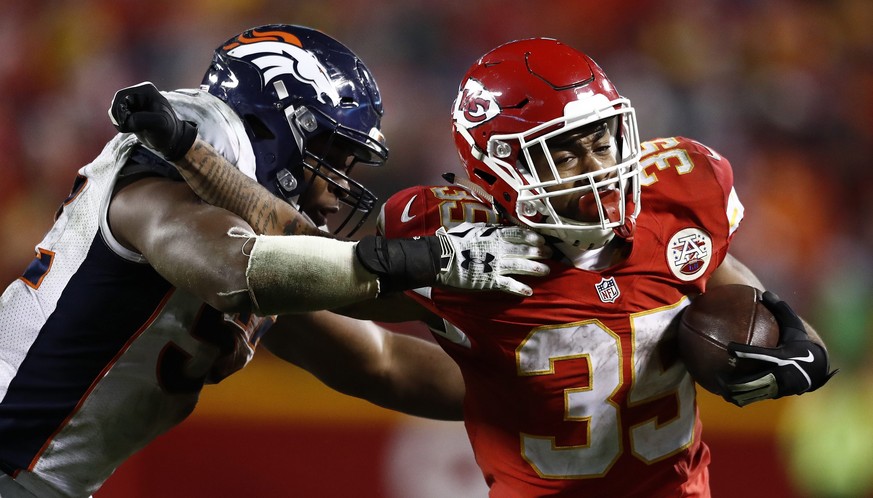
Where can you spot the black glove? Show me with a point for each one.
(141, 109)
(797, 365)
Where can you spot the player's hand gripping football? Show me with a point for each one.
(143, 110)
(479, 257)
(797, 365)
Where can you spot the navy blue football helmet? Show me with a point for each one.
(302, 94)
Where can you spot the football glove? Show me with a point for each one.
(143, 110)
(479, 257)
(797, 365)
(468, 256)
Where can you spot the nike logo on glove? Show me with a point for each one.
(404, 216)
(808, 358)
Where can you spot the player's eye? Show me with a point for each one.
(604, 147)
(563, 159)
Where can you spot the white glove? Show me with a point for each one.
(479, 256)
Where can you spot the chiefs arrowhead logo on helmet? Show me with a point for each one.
(474, 105)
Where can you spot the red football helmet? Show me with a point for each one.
(517, 97)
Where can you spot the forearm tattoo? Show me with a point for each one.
(219, 183)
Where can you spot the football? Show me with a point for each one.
(723, 314)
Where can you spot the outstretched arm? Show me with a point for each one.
(399, 264)
(327, 273)
(362, 359)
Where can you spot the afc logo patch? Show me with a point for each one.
(689, 253)
(607, 290)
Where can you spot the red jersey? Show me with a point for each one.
(578, 390)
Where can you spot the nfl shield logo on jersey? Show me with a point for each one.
(607, 289)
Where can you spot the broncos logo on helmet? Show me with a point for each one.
(277, 53)
(301, 95)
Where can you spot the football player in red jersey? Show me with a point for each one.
(577, 390)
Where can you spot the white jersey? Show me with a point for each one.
(98, 353)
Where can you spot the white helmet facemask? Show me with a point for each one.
(612, 194)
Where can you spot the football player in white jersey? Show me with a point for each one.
(141, 293)
(576, 390)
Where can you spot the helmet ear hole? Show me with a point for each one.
(259, 129)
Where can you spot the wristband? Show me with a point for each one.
(401, 264)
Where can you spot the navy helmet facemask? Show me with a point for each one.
(302, 95)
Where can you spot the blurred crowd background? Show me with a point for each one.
(782, 88)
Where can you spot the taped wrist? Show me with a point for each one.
(298, 273)
(401, 264)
